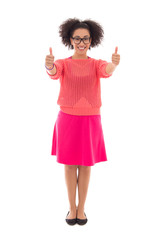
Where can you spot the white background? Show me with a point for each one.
(123, 196)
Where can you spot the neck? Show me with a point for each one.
(77, 56)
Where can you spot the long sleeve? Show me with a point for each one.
(80, 90)
(101, 69)
(59, 67)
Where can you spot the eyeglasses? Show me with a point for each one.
(77, 40)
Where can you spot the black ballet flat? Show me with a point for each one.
(82, 221)
(71, 221)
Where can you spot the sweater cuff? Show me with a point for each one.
(56, 75)
(105, 75)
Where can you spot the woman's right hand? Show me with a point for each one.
(49, 59)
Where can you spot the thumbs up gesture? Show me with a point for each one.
(115, 57)
(49, 59)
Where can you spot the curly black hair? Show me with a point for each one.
(67, 28)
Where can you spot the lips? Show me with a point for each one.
(81, 49)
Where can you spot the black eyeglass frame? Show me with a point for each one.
(81, 39)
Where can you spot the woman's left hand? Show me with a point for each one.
(115, 57)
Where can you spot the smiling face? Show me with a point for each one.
(80, 49)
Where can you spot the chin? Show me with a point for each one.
(83, 52)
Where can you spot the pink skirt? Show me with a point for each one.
(78, 140)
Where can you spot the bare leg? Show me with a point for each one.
(83, 183)
(71, 182)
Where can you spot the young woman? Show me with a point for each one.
(78, 138)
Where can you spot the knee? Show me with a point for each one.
(71, 167)
(84, 168)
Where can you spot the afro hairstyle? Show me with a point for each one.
(67, 28)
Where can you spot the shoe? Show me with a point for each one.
(82, 221)
(71, 221)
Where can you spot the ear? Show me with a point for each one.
(71, 40)
(90, 43)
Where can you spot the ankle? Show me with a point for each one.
(80, 208)
(73, 208)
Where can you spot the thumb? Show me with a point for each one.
(50, 50)
(116, 49)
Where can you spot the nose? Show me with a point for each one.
(81, 44)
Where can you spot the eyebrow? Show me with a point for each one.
(84, 36)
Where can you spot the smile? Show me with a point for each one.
(81, 48)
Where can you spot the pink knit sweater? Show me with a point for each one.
(80, 89)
